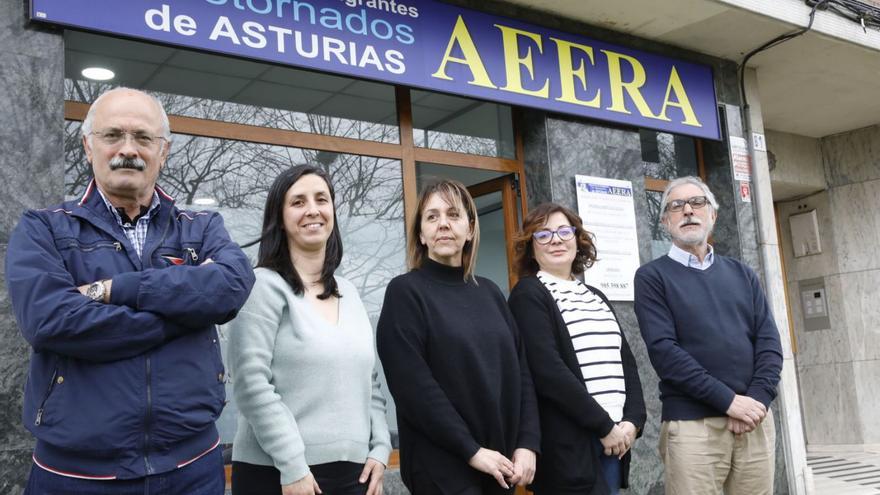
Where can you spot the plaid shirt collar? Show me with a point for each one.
(137, 233)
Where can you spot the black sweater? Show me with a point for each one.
(456, 369)
(571, 420)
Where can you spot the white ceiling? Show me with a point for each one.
(814, 85)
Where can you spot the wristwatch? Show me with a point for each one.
(96, 290)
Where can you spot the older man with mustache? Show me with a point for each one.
(118, 293)
(713, 342)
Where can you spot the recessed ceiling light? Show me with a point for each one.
(98, 73)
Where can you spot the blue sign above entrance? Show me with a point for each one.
(424, 44)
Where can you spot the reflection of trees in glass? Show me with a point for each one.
(660, 239)
(457, 142)
(203, 108)
(670, 156)
(236, 176)
(665, 166)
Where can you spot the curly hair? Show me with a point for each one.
(524, 252)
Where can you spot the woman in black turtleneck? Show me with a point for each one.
(466, 408)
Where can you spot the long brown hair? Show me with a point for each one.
(524, 252)
(274, 253)
(453, 193)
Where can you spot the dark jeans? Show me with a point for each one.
(202, 477)
(611, 470)
(334, 478)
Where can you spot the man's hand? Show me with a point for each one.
(494, 464)
(373, 472)
(524, 461)
(304, 486)
(747, 410)
(615, 442)
(630, 431)
(737, 427)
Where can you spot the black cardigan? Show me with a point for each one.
(455, 365)
(571, 420)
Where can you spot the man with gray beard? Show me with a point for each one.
(713, 342)
(118, 294)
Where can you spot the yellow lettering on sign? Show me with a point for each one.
(513, 62)
(470, 57)
(681, 100)
(568, 73)
(633, 88)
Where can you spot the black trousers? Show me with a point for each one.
(424, 486)
(334, 478)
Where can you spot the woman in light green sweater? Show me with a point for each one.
(301, 353)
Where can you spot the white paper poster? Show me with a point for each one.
(742, 162)
(606, 207)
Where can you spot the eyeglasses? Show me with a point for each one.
(565, 233)
(695, 202)
(113, 137)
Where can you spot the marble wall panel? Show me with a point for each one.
(537, 163)
(822, 346)
(780, 476)
(852, 157)
(31, 175)
(392, 484)
(856, 224)
(815, 265)
(735, 232)
(31, 133)
(15, 464)
(20, 37)
(798, 159)
(859, 314)
(646, 475)
(14, 352)
(832, 390)
(867, 387)
(725, 238)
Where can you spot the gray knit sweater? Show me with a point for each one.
(307, 390)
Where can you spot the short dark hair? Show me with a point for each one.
(524, 253)
(274, 254)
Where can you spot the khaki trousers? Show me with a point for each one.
(702, 457)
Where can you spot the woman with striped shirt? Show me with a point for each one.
(589, 394)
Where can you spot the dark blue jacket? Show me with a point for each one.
(130, 388)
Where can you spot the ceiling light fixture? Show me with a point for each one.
(98, 73)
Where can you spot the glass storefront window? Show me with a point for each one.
(667, 156)
(214, 87)
(453, 123)
(660, 240)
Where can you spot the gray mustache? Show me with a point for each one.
(687, 222)
(119, 162)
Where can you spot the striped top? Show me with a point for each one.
(596, 338)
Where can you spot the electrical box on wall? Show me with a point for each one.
(805, 234)
(814, 304)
